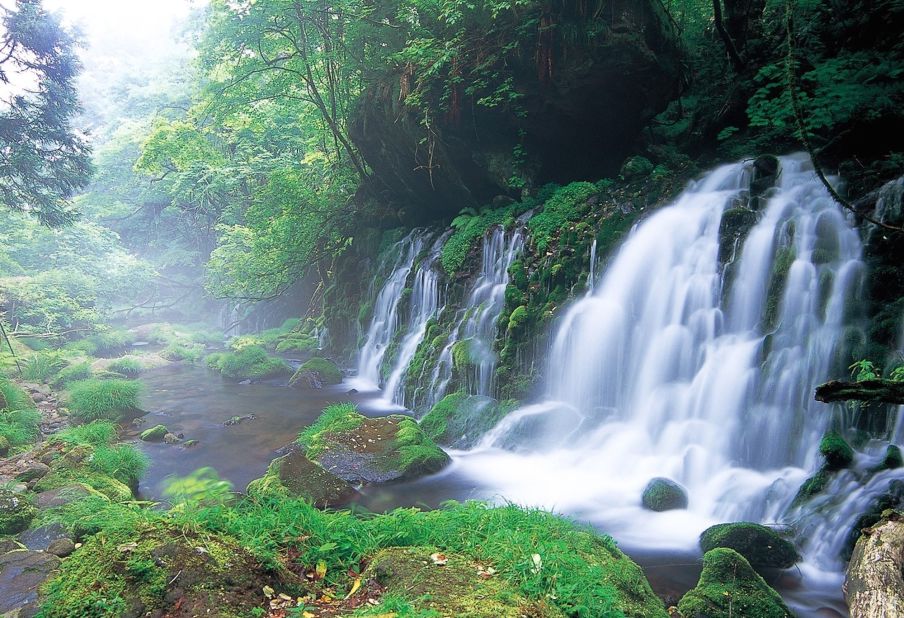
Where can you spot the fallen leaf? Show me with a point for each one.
(307, 615)
(439, 559)
(126, 547)
(321, 570)
(268, 592)
(538, 563)
(354, 589)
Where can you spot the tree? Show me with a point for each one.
(43, 158)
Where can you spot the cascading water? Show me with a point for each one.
(425, 304)
(674, 366)
(475, 325)
(385, 320)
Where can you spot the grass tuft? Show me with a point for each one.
(91, 400)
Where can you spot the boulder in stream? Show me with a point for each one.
(154, 434)
(296, 476)
(662, 494)
(16, 512)
(762, 547)
(315, 373)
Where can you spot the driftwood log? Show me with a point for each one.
(881, 391)
(874, 586)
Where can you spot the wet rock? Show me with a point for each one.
(662, 494)
(33, 471)
(190, 443)
(61, 547)
(766, 170)
(762, 547)
(9, 545)
(729, 588)
(352, 391)
(294, 475)
(154, 434)
(171, 438)
(21, 574)
(238, 420)
(315, 373)
(39, 539)
(61, 496)
(837, 452)
(460, 420)
(16, 512)
(733, 229)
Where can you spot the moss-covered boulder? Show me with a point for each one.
(158, 570)
(460, 420)
(74, 469)
(892, 459)
(812, 487)
(730, 588)
(248, 363)
(296, 476)
(16, 512)
(451, 585)
(315, 373)
(761, 546)
(358, 449)
(154, 434)
(837, 452)
(662, 494)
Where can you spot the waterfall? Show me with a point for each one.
(385, 320)
(475, 323)
(676, 366)
(424, 305)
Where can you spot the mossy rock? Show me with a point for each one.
(16, 512)
(761, 546)
(154, 434)
(315, 373)
(662, 494)
(296, 476)
(813, 486)
(358, 449)
(454, 588)
(892, 459)
(735, 224)
(837, 452)
(460, 420)
(636, 167)
(250, 362)
(730, 588)
(158, 570)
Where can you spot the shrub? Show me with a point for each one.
(20, 422)
(12, 397)
(127, 366)
(103, 399)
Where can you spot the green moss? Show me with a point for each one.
(663, 494)
(729, 587)
(636, 167)
(103, 399)
(781, 266)
(16, 512)
(892, 458)
(733, 228)
(298, 345)
(182, 351)
(460, 419)
(517, 318)
(813, 486)
(249, 363)
(295, 476)
(837, 452)
(461, 354)
(326, 370)
(567, 204)
(417, 453)
(759, 545)
(154, 434)
(337, 418)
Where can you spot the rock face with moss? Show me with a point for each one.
(663, 494)
(358, 449)
(761, 546)
(16, 512)
(154, 434)
(728, 588)
(296, 476)
(315, 373)
(460, 419)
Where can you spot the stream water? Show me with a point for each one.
(670, 365)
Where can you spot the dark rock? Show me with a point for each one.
(39, 539)
(294, 475)
(730, 588)
(61, 547)
(34, 470)
(238, 420)
(16, 512)
(735, 224)
(21, 573)
(9, 545)
(58, 497)
(190, 443)
(352, 391)
(662, 494)
(765, 176)
(170, 438)
(761, 546)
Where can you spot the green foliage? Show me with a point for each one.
(73, 373)
(567, 204)
(96, 433)
(250, 362)
(201, 488)
(468, 229)
(128, 366)
(12, 397)
(124, 463)
(20, 423)
(91, 400)
(336, 418)
(42, 366)
(864, 370)
(189, 352)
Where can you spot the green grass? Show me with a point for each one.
(127, 366)
(122, 462)
(335, 418)
(97, 433)
(250, 362)
(42, 366)
(20, 422)
(91, 400)
(179, 351)
(12, 397)
(73, 373)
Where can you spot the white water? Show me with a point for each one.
(476, 321)
(385, 320)
(667, 368)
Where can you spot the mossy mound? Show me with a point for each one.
(729, 588)
(460, 420)
(316, 372)
(662, 494)
(812, 487)
(760, 546)
(836, 451)
(113, 400)
(451, 585)
(358, 449)
(74, 469)
(892, 459)
(248, 363)
(296, 476)
(157, 570)
(154, 434)
(16, 512)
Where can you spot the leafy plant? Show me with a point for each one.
(864, 370)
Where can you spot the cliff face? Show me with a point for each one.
(577, 86)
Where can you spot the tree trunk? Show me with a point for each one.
(874, 586)
(882, 391)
